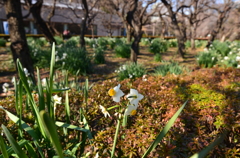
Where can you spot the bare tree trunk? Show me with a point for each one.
(135, 46)
(180, 35)
(221, 18)
(19, 45)
(193, 34)
(35, 9)
(84, 24)
(129, 34)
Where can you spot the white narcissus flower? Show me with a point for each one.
(104, 111)
(134, 97)
(5, 87)
(57, 99)
(26, 72)
(116, 93)
(131, 110)
(44, 81)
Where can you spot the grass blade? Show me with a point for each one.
(17, 149)
(164, 131)
(3, 148)
(69, 126)
(205, 151)
(51, 131)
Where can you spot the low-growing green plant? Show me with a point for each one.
(158, 46)
(75, 60)
(157, 57)
(41, 56)
(122, 50)
(72, 42)
(59, 40)
(207, 59)
(130, 70)
(172, 68)
(99, 56)
(145, 41)
(172, 43)
(221, 47)
(102, 42)
(2, 42)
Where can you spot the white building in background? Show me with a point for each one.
(65, 19)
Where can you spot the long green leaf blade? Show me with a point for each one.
(205, 151)
(17, 149)
(3, 148)
(164, 131)
(51, 132)
(69, 126)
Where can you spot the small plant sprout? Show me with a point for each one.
(104, 111)
(116, 93)
(134, 97)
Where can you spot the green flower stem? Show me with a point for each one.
(113, 107)
(115, 138)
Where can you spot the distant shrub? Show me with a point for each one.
(130, 70)
(172, 43)
(59, 40)
(41, 57)
(99, 56)
(207, 59)
(122, 50)
(171, 68)
(102, 42)
(71, 43)
(75, 60)
(221, 47)
(157, 57)
(2, 42)
(145, 41)
(158, 46)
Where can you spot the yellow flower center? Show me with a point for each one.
(111, 92)
(133, 112)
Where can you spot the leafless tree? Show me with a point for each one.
(134, 16)
(223, 11)
(18, 45)
(35, 10)
(89, 12)
(196, 14)
(173, 11)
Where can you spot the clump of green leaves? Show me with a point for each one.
(122, 50)
(75, 60)
(99, 56)
(157, 57)
(59, 40)
(131, 71)
(158, 46)
(102, 42)
(171, 68)
(2, 42)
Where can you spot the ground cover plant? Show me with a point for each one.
(223, 54)
(212, 112)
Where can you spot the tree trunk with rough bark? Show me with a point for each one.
(135, 46)
(84, 24)
(18, 45)
(193, 35)
(35, 9)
